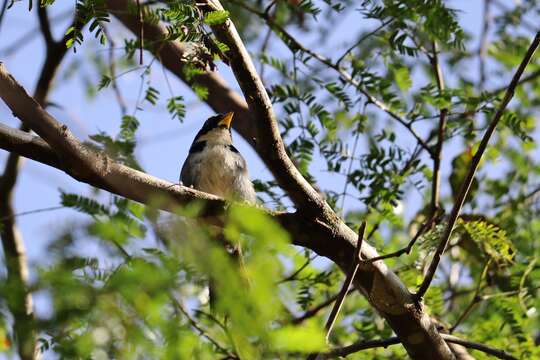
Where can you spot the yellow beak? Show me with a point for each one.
(227, 119)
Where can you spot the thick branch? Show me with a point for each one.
(138, 186)
(19, 300)
(16, 263)
(221, 98)
(473, 167)
(269, 145)
(282, 32)
(381, 287)
(363, 345)
(387, 294)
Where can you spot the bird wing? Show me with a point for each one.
(191, 174)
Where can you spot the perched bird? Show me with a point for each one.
(214, 165)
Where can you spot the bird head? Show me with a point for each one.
(216, 129)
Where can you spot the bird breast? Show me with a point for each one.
(219, 169)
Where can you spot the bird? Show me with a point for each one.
(214, 165)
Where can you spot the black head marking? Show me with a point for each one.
(197, 147)
(211, 124)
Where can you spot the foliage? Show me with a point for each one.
(128, 281)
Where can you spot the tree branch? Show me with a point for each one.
(335, 66)
(381, 287)
(437, 155)
(171, 54)
(45, 26)
(501, 354)
(269, 145)
(16, 263)
(363, 345)
(355, 263)
(334, 240)
(472, 169)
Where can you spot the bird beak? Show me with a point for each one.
(227, 119)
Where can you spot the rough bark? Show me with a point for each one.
(382, 288)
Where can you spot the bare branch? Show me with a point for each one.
(437, 155)
(475, 299)
(221, 98)
(473, 167)
(344, 74)
(482, 52)
(347, 283)
(501, 354)
(363, 345)
(269, 145)
(327, 237)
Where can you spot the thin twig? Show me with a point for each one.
(355, 264)
(344, 74)
(363, 345)
(531, 77)
(141, 32)
(315, 309)
(501, 354)
(31, 212)
(199, 329)
(347, 283)
(112, 70)
(264, 45)
(472, 169)
(362, 39)
(359, 346)
(297, 271)
(3, 11)
(475, 299)
(407, 250)
(349, 169)
(482, 52)
(437, 156)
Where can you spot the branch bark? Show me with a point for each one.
(21, 304)
(269, 145)
(464, 191)
(363, 345)
(221, 98)
(335, 240)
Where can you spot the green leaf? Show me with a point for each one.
(460, 167)
(176, 107)
(152, 95)
(306, 338)
(83, 204)
(128, 127)
(104, 82)
(216, 17)
(403, 78)
(201, 91)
